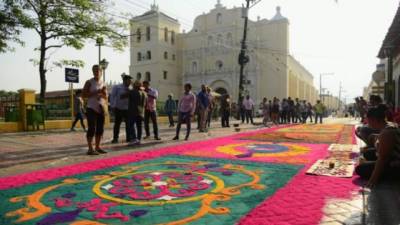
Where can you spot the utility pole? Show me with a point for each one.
(99, 42)
(340, 93)
(320, 83)
(243, 58)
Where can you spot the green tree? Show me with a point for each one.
(4, 93)
(9, 27)
(61, 23)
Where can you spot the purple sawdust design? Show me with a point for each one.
(212, 165)
(245, 155)
(69, 195)
(62, 217)
(138, 213)
(227, 173)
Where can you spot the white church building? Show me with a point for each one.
(208, 54)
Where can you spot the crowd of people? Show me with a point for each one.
(380, 157)
(135, 104)
(291, 111)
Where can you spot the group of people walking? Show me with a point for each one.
(291, 111)
(134, 102)
(131, 102)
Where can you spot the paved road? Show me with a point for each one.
(28, 151)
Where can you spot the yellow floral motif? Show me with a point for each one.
(36, 209)
(98, 191)
(294, 150)
(318, 128)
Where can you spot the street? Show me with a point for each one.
(272, 197)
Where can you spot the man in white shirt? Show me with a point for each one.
(119, 104)
(150, 112)
(248, 105)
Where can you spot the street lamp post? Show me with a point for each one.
(99, 42)
(103, 65)
(320, 83)
(389, 90)
(243, 57)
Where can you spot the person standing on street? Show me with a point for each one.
(150, 110)
(303, 111)
(275, 111)
(96, 93)
(225, 110)
(79, 111)
(266, 111)
(211, 107)
(170, 109)
(186, 107)
(203, 104)
(136, 108)
(319, 110)
(309, 111)
(119, 105)
(248, 105)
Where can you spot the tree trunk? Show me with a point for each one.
(42, 70)
(43, 39)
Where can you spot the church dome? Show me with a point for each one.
(278, 15)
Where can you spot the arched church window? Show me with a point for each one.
(172, 37)
(219, 18)
(166, 34)
(219, 39)
(138, 35)
(194, 67)
(210, 41)
(219, 64)
(148, 55)
(148, 76)
(148, 33)
(229, 40)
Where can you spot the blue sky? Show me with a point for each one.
(325, 36)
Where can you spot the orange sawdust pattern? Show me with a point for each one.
(308, 133)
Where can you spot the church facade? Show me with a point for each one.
(208, 54)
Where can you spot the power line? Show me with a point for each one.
(148, 7)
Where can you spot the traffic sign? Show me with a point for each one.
(71, 75)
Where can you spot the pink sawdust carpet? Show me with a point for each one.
(297, 199)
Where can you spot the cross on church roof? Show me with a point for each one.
(218, 4)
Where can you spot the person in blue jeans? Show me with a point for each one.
(187, 107)
(170, 109)
(136, 107)
(79, 111)
(150, 112)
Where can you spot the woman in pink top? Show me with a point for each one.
(96, 93)
(186, 107)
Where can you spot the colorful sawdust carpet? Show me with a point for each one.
(235, 181)
(316, 128)
(308, 133)
(164, 190)
(260, 151)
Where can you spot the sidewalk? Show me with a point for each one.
(29, 151)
